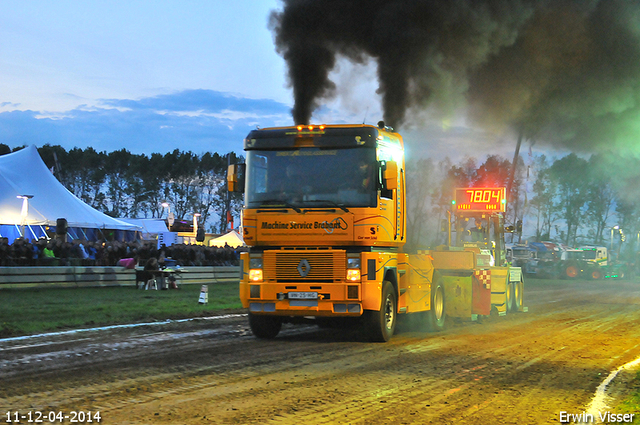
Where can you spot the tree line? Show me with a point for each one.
(127, 185)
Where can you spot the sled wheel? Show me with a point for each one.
(518, 296)
(509, 297)
(437, 315)
(514, 299)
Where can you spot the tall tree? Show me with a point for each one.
(600, 196)
(568, 172)
(542, 202)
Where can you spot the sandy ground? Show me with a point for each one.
(525, 368)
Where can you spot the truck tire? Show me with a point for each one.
(380, 325)
(570, 270)
(437, 314)
(264, 327)
(596, 274)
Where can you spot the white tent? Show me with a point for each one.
(151, 227)
(233, 239)
(23, 173)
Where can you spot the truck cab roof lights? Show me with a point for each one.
(310, 127)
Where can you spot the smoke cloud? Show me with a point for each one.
(559, 71)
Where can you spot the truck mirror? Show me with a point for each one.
(390, 175)
(235, 178)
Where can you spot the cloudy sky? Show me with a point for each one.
(155, 76)
(197, 75)
(149, 77)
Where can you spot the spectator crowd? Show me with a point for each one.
(56, 252)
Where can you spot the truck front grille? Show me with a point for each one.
(325, 266)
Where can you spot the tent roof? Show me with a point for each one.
(233, 239)
(24, 173)
(149, 225)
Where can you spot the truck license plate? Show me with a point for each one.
(303, 295)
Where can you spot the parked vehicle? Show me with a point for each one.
(590, 262)
(523, 256)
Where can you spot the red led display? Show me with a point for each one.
(480, 199)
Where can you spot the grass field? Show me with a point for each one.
(631, 404)
(31, 311)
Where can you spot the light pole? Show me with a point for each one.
(616, 227)
(195, 223)
(25, 211)
(170, 217)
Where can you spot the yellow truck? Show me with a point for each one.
(324, 217)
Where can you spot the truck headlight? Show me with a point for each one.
(353, 275)
(255, 270)
(255, 275)
(353, 269)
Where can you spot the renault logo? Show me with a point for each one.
(304, 268)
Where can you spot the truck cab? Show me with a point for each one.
(521, 255)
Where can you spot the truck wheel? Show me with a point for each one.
(437, 314)
(571, 271)
(380, 325)
(596, 274)
(264, 327)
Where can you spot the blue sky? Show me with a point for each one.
(192, 75)
(156, 76)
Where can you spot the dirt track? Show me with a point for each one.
(524, 368)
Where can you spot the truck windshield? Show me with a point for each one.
(574, 255)
(521, 253)
(311, 178)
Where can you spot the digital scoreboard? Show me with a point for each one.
(480, 199)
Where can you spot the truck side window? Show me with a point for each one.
(384, 193)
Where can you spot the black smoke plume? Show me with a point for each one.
(564, 71)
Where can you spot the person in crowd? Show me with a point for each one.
(128, 263)
(92, 252)
(150, 267)
(5, 258)
(48, 252)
